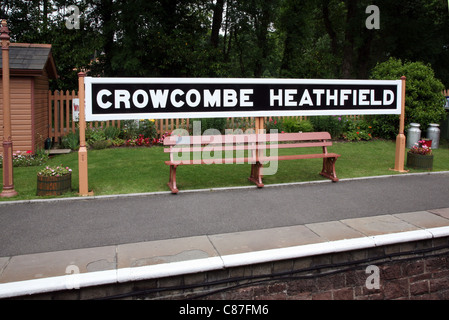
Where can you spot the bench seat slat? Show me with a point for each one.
(186, 148)
(212, 161)
(211, 148)
(296, 145)
(253, 159)
(300, 156)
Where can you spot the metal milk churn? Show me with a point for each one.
(413, 134)
(433, 133)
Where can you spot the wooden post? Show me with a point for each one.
(400, 139)
(82, 153)
(50, 97)
(8, 174)
(259, 123)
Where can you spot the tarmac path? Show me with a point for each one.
(44, 226)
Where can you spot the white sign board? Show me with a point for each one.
(162, 98)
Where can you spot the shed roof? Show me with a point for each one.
(31, 59)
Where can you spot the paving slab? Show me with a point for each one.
(423, 219)
(377, 225)
(334, 230)
(59, 263)
(164, 251)
(3, 263)
(444, 212)
(266, 239)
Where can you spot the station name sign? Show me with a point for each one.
(168, 98)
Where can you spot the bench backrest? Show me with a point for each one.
(250, 141)
(321, 138)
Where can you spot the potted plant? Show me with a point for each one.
(53, 181)
(425, 142)
(420, 156)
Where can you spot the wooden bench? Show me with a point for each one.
(255, 146)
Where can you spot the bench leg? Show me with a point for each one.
(256, 174)
(329, 169)
(172, 182)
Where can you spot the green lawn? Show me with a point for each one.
(136, 170)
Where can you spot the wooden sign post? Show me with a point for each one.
(400, 139)
(8, 175)
(82, 153)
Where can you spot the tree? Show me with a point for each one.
(31, 22)
(232, 38)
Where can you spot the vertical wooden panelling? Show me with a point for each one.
(41, 114)
(21, 125)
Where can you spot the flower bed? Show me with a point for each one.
(26, 159)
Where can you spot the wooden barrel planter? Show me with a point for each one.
(54, 186)
(419, 161)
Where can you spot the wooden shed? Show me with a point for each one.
(31, 67)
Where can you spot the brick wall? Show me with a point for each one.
(426, 278)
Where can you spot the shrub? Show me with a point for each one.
(71, 141)
(211, 123)
(129, 130)
(305, 126)
(240, 123)
(111, 132)
(93, 135)
(274, 124)
(424, 101)
(296, 125)
(100, 144)
(356, 130)
(147, 129)
(117, 142)
(291, 125)
(332, 124)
